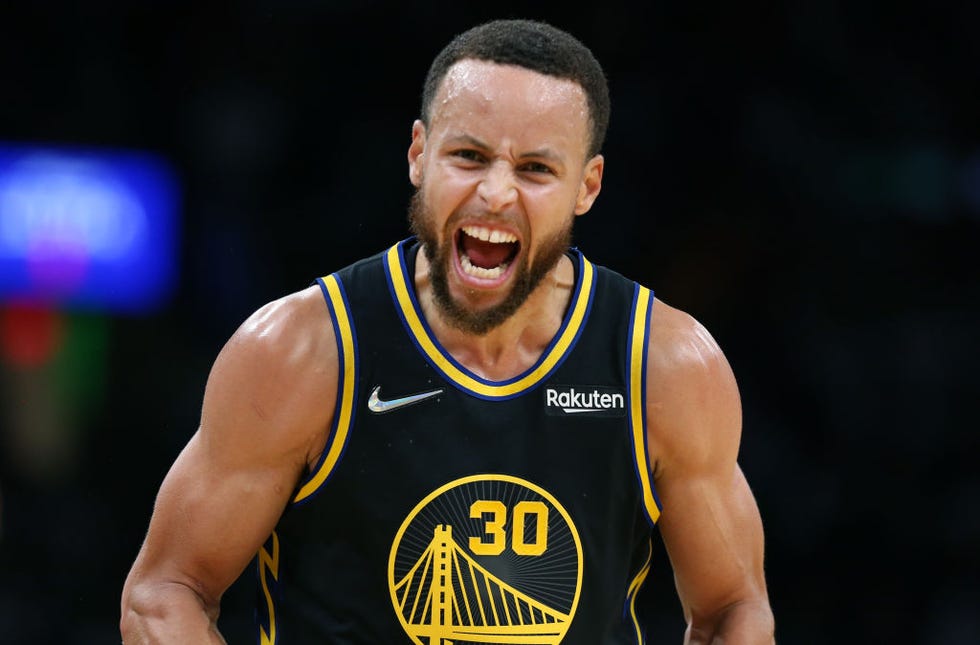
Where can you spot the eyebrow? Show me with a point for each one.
(542, 153)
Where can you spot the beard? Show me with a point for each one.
(527, 275)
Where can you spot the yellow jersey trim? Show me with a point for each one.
(269, 565)
(637, 380)
(344, 414)
(634, 591)
(459, 375)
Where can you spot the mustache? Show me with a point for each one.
(418, 210)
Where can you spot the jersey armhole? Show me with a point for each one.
(637, 346)
(343, 421)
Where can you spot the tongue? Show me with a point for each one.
(485, 254)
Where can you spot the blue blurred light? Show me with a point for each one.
(87, 228)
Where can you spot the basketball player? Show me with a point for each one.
(471, 436)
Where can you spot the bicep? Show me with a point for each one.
(211, 516)
(713, 536)
(710, 522)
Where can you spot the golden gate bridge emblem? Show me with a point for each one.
(447, 596)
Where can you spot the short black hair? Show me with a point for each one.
(533, 45)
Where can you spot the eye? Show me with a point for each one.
(537, 167)
(468, 154)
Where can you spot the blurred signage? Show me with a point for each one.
(87, 228)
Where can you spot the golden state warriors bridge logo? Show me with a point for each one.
(486, 559)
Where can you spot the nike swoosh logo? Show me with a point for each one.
(378, 406)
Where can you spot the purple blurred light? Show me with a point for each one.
(87, 228)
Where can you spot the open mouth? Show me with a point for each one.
(485, 253)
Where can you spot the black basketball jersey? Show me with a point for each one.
(452, 509)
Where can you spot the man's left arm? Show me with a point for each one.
(710, 522)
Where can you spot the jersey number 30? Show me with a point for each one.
(494, 538)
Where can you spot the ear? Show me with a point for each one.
(591, 184)
(416, 153)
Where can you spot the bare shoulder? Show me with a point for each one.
(292, 329)
(680, 343)
(693, 406)
(277, 374)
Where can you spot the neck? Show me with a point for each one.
(516, 344)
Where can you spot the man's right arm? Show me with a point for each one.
(266, 413)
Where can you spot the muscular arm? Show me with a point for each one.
(710, 524)
(266, 412)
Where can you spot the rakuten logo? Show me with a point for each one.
(594, 401)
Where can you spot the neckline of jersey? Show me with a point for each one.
(400, 265)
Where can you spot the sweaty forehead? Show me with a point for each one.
(484, 89)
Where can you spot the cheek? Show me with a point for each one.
(446, 194)
(551, 210)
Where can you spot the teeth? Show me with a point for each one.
(488, 235)
(479, 272)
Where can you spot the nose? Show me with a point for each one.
(498, 188)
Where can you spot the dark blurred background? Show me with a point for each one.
(804, 178)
